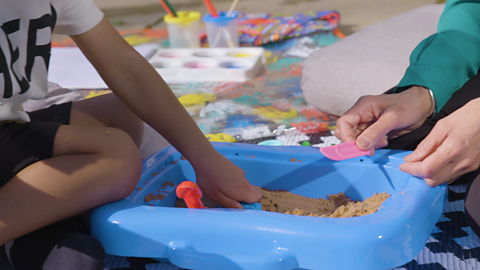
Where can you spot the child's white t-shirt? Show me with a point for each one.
(26, 29)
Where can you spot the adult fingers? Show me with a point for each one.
(451, 172)
(346, 130)
(372, 135)
(382, 143)
(430, 144)
(428, 167)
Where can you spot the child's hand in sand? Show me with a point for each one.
(224, 183)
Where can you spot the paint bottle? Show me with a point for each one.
(222, 30)
(184, 30)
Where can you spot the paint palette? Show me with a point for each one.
(147, 223)
(208, 64)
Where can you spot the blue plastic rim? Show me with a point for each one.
(272, 143)
(222, 19)
(251, 239)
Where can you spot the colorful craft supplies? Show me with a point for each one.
(259, 29)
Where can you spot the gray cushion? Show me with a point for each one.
(367, 62)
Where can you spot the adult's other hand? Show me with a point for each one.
(451, 150)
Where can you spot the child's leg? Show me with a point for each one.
(36, 250)
(91, 166)
(63, 245)
(107, 111)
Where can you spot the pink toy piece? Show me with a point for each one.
(343, 151)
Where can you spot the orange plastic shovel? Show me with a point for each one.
(191, 193)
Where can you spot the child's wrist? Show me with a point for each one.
(203, 157)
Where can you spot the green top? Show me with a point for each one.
(445, 61)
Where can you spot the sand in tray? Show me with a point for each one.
(337, 205)
(285, 202)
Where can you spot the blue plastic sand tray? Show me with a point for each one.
(147, 223)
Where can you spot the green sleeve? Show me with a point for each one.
(446, 60)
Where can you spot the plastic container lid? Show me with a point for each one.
(183, 17)
(222, 17)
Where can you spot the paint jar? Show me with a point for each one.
(184, 30)
(222, 31)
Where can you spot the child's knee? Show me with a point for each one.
(126, 119)
(126, 162)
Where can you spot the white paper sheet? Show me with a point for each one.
(70, 68)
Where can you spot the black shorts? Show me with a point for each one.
(24, 144)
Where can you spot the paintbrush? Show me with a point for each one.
(166, 5)
(232, 7)
(211, 8)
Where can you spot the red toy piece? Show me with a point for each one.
(310, 127)
(191, 193)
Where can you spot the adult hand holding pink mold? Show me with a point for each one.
(375, 119)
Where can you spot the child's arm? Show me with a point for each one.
(140, 87)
